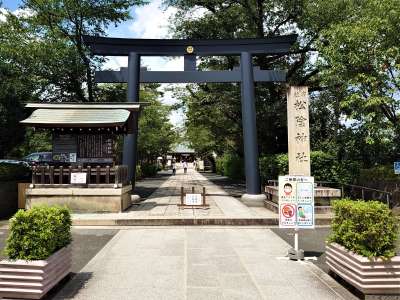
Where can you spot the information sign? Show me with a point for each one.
(296, 202)
(72, 157)
(193, 199)
(78, 178)
(397, 167)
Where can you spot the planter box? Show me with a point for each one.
(33, 279)
(370, 276)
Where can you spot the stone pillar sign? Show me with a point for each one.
(298, 131)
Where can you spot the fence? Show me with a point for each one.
(50, 176)
(352, 191)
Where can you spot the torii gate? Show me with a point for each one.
(191, 49)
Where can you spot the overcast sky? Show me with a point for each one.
(149, 21)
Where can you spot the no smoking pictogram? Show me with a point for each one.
(288, 211)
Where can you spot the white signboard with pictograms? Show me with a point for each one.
(296, 202)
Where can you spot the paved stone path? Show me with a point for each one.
(163, 202)
(199, 263)
(196, 262)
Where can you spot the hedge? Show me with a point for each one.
(139, 174)
(367, 228)
(324, 167)
(10, 172)
(37, 233)
(384, 172)
(230, 165)
(149, 170)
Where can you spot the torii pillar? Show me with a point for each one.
(129, 157)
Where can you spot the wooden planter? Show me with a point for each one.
(370, 276)
(33, 279)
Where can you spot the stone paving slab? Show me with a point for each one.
(199, 263)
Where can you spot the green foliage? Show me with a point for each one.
(139, 174)
(9, 172)
(359, 53)
(219, 166)
(43, 58)
(214, 110)
(38, 233)
(149, 170)
(34, 141)
(378, 173)
(366, 228)
(230, 165)
(271, 166)
(324, 167)
(156, 133)
(353, 83)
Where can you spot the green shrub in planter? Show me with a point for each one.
(38, 233)
(367, 228)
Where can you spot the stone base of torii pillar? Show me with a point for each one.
(253, 200)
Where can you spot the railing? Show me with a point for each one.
(352, 191)
(50, 176)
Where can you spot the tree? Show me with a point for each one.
(347, 53)
(42, 57)
(156, 134)
(67, 21)
(360, 53)
(217, 107)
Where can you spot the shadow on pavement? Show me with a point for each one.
(69, 286)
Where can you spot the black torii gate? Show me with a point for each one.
(191, 49)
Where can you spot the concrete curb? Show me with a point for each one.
(186, 222)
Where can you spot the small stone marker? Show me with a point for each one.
(298, 131)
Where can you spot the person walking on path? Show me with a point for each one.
(173, 167)
(185, 165)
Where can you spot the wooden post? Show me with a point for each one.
(116, 175)
(107, 174)
(61, 175)
(362, 194)
(34, 169)
(98, 175)
(204, 195)
(182, 196)
(42, 175)
(69, 174)
(51, 175)
(89, 174)
(192, 189)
